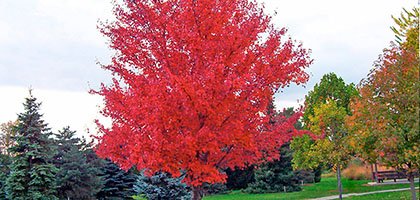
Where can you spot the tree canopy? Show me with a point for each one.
(32, 175)
(326, 108)
(192, 81)
(76, 177)
(386, 115)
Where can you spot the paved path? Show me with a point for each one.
(361, 194)
(392, 182)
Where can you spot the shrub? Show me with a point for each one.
(305, 176)
(161, 186)
(276, 176)
(357, 171)
(217, 188)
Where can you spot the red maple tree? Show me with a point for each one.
(192, 82)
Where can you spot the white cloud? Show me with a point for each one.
(60, 108)
(75, 18)
(346, 37)
(280, 105)
(53, 44)
(68, 21)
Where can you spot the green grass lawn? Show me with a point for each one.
(404, 195)
(327, 187)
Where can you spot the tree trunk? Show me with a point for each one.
(376, 172)
(340, 186)
(373, 173)
(412, 186)
(197, 193)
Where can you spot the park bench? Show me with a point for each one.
(388, 175)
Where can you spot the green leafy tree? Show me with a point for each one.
(303, 155)
(32, 175)
(386, 115)
(162, 186)
(117, 183)
(76, 178)
(326, 108)
(331, 87)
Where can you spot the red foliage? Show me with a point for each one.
(192, 82)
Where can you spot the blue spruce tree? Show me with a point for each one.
(4, 173)
(117, 183)
(32, 175)
(162, 186)
(76, 177)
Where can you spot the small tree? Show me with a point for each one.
(32, 175)
(386, 115)
(326, 108)
(162, 186)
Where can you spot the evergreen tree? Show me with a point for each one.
(117, 184)
(239, 178)
(309, 176)
(276, 176)
(76, 178)
(4, 172)
(7, 135)
(32, 174)
(162, 186)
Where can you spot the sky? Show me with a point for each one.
(54, 47)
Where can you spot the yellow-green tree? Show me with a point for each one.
(7, 134)
(326, 108)
(385, 123)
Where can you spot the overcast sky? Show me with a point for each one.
(53, 46)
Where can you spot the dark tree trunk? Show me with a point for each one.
(197, 193)
(412, 186)
(340, 186)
